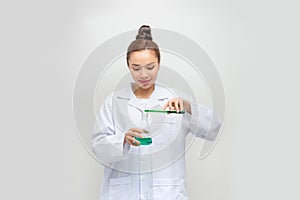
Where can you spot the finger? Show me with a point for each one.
(127, 139)
(165, 106)
(130, 140)
(171, 105)
(138, 130)
(176, 105)
(134, 134)
(181, 104)
(145, 131)
(134, 142)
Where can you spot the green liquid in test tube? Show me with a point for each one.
(148, 140)
(145, 140)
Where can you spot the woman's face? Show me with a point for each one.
(143, 66)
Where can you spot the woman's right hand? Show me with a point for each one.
(130, 134)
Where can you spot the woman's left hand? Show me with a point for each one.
(178, 104)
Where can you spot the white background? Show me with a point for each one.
(254, 45)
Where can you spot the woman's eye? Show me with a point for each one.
(150, 68)
(136, 69)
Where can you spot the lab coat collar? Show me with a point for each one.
(159, 94)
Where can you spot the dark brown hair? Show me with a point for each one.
(143, 41)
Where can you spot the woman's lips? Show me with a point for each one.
(145, 82)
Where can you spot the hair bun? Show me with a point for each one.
(144, 33)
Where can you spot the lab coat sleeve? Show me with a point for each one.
(106, 141)
(202, 122)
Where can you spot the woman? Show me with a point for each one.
(155, 171)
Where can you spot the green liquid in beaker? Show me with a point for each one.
(144, 141)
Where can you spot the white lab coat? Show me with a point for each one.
(156, 171)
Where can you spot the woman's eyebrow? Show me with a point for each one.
(150, 63)
(137, 65)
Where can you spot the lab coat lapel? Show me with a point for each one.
(125, 97)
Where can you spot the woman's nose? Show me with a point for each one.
(144, 73)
